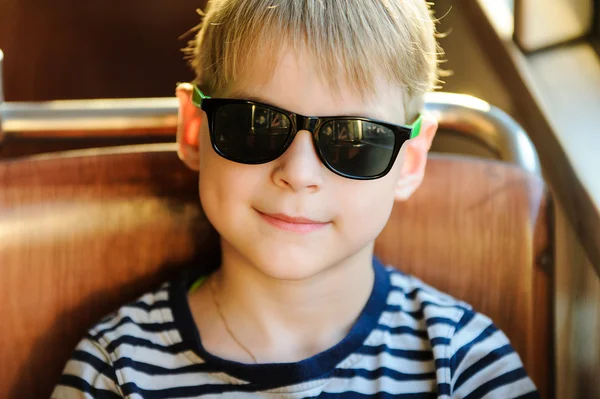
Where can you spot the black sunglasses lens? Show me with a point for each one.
(249, 133)
(357, 148)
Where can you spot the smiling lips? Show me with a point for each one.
(294, 224)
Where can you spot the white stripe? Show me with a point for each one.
(443, 375)
(400, 341)
(408, 305)
(481, 349)
(453, 313)
(94, 349)
(410, 283)
(471, 331)
(399, 319)
(494, 341)
(139, 316)
(398, 280)
(163, 338)
(383, 384)
(499, 367)
(157, 358)
(156, 382)
(305, 389)
(151, 298)
(90, 375)
(399, 364)
(517, 388)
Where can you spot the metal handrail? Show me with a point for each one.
(1, 92)
(462, 114)
(472, 117)
(1, 79)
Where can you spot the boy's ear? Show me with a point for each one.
(415, 159)
(188, 127)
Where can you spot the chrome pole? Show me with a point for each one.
(490, 126)
(1, 93)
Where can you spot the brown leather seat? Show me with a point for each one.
(81, 233)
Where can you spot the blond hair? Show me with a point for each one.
(358, 41)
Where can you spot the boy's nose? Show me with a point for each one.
(299, 168)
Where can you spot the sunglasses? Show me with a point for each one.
(251, 132)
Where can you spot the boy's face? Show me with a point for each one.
(254, 207)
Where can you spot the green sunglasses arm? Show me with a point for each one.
(198, 96)
(415, 128)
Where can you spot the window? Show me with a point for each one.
(541, 23)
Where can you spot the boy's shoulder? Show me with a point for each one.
(149, 319)
(408, 292)
(449, 324)
(133, 343)
(470, 353)
(417, 287)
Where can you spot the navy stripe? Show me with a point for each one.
(189, 391)
(464, 320)
(482, 363)
(149, 327)
(402, 353)
(379, 395)
(442, 362)
(396, 309)
(149, 307)
(460, 354)
(415, 314)
(444, 389)
(419, 313)
(504, 379)
(412, 294)
(99, 365)
(440, 320)
(440, 341)
(416, 333)
(84, 386)
(373, 375)
(404, 330)
(158, 370)
(134, 341)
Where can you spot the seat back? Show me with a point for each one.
(83, 232)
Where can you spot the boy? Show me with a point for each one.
(301, 154)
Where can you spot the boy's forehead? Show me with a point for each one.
(292, 81)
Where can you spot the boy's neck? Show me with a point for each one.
(287, 321)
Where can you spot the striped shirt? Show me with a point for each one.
(410, 341)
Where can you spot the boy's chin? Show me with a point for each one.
(287, 269)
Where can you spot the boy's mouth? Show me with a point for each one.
(298, 224)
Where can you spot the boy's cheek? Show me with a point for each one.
(370, 204)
